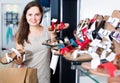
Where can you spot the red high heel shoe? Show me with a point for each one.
(66, 49)
(56, 26)
(82, 45)
(63, 50)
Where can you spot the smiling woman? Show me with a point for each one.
(30, 36)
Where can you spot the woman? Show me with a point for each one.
(29, 37)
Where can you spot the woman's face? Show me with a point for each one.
(33, 16)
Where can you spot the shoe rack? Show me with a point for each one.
(66, 11)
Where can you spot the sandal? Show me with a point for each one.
(11, 56)
(100, 23)
(92, 21)
(113, 21)
(115, 35)
(55, 26)
(105, 33)
(82, 45)
(50, 42)
(66, 49)
(108, 67)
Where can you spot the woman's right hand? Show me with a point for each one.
(18, 60)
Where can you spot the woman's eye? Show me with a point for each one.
(29, 14)
(37, 14)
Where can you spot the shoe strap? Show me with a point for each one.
(61, 26)
(109, 67)
(17, 53)
(113, 21)
(53, 23)
(9, 59)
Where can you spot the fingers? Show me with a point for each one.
(18, 60)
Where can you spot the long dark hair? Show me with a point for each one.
(23, 27)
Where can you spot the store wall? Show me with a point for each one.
(104, 7)
(21, 4)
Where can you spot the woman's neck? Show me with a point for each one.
(35, 30)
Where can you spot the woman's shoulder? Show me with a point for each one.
(45, 29)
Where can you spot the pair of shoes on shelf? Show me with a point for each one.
(84, 37)
(69, 42)
(82, 45)
(99, 23)
(51, 42)
(66, 49)
(57, 26)
(11, 56)
(63, 50)
(60, 43)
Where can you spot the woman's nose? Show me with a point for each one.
(33, 17)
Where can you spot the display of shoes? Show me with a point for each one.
(93, 42)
